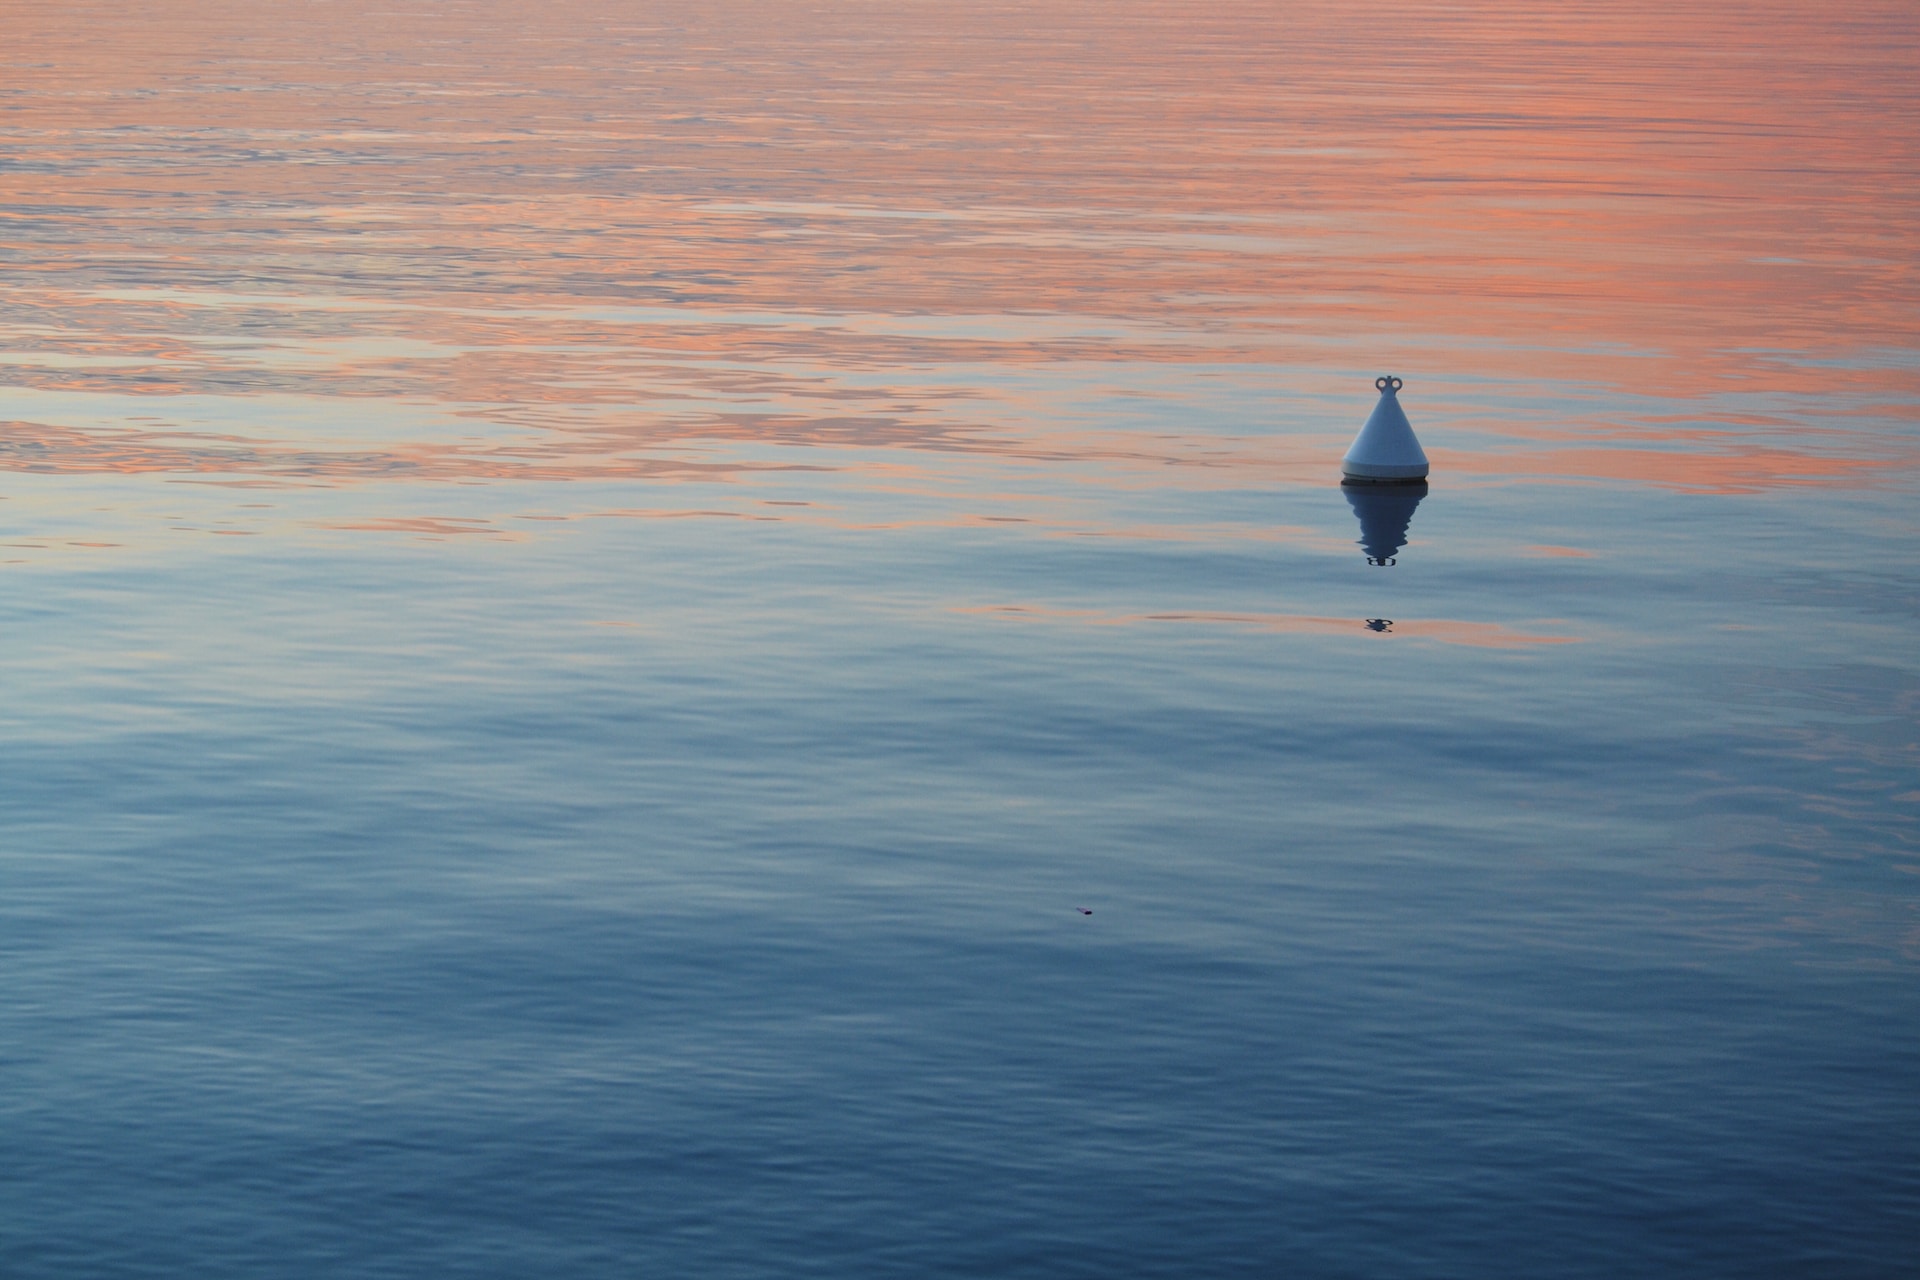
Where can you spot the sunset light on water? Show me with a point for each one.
(723, 640)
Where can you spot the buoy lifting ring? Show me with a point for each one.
(1388, 382)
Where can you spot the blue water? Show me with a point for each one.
(1025, 839)
(375, 914)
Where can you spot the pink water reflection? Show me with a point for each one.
(656, 245)
(1456, 631)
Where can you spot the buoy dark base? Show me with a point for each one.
(1373, 480)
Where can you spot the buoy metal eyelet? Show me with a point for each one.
(1388, 382)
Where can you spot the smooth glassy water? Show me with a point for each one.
(721, 640)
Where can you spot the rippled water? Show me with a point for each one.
(594, 593)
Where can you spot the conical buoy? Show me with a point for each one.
(1386, 450)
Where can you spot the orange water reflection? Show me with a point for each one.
(655, 246)
(1480, 635)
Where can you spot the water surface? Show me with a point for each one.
(594, 595)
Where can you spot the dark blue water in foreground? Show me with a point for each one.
(376, 915)
(737, 671)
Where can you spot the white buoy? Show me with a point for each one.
(1386, 450)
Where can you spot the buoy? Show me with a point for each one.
(1386, 450)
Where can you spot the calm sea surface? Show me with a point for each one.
(720, 640)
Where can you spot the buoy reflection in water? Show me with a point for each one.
(1386, 512)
